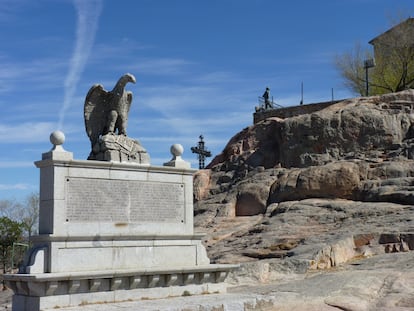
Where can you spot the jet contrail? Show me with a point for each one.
(88, 12)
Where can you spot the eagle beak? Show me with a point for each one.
(132, 78)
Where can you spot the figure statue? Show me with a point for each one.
(106, 119)
(107, 112)
(266, 97)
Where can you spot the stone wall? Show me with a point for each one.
(288, 112)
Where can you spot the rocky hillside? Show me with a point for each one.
(313, 191)
(317, 208)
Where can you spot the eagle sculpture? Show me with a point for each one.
(107, 112)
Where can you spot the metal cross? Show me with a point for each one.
(202, 153)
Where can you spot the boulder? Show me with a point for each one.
(333, 180)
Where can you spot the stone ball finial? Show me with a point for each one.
(57, 138)
(177, 150)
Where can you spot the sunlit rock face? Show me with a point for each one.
(300, 186)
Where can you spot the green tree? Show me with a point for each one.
(26, 212)
(26, 215)
(10, 233)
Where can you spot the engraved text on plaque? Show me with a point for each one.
(104, 200)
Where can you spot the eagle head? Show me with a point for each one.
(128, 77)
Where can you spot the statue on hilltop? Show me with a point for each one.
(266, 97)
(266, 102)
(106, 119)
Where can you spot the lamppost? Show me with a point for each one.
(368, 63)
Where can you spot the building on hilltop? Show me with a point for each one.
(394, 55)
(394, 72)
(399, 36)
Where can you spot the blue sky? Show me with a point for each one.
(200, 66)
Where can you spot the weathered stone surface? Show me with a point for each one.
(107, 111)
(321, 232)
(119, 148)
(370, 284)
(323, 192)
(333, 180)
(201, 184)
(376, 127)
(356, 150)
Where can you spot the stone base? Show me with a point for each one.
(34, 292)
(51, 254)
(119, 148)
(112, 231)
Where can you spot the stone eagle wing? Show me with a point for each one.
(129, 100)
(96, 108)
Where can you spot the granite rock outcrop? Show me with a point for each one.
(314, 192)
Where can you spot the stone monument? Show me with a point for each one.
(113, 230)
(106, 120)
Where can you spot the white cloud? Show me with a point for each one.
(28, 132)
(87, 25)
(216, 128)
(15, 186)
(40, 74)
(179, 113)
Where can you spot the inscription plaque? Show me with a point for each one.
(105, 200)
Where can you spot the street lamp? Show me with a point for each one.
(368, 63)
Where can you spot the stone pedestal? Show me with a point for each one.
(112, 231)
(119, 148)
